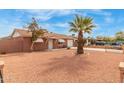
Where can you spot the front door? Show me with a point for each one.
(50, 44)
(70, 43)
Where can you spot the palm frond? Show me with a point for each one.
(73, 30)
(82, 24)
(72, 24)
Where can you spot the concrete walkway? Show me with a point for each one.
(100, 49)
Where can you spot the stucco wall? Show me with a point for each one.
(20, 44)
(26, 44)
(11, 45)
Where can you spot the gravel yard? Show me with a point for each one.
(62, 66)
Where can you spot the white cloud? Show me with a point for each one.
(52, 26)
(98, 27)
(109, 20)
(8, 28)
(46, 14)
(52, 11)
(64, 25)
(101, 12)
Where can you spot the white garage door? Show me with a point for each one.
(50, 44)
(70, 43)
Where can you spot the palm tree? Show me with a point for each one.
(81, 25)
(36, 31)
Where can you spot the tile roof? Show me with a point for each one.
(22, 32)
(25, 33)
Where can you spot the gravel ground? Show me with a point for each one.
(62, 66)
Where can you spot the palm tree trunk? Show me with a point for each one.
(80, 49)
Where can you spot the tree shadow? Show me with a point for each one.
(67, 65)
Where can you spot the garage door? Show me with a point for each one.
(50, 44)
(70, 43)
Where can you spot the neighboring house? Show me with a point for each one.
(20, 41)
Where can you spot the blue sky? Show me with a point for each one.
(108, 21)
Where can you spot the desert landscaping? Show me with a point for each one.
(79, 50)
(62, 65)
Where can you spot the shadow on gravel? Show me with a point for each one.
(70, 66)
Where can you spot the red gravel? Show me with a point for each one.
(62, 66)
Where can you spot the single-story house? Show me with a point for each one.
(20, 41)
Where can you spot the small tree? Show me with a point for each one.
(81, 25)
(36, 31)
(119, 36)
